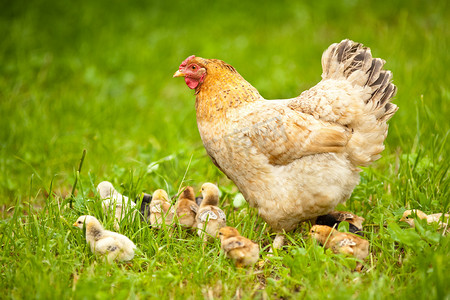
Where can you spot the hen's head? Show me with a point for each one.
(193, 70)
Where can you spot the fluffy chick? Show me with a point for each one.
(113, 245)
(241, 250)
(408, 217)
(210, 218)
(335, 217)
(114, 202)
(186, 208)
(161, 210)
(341, 242)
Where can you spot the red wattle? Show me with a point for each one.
(191, 83)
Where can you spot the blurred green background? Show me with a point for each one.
(97, 75)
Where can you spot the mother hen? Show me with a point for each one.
(294, 159)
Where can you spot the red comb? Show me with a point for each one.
(185, 62)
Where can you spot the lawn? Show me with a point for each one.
(97, 76)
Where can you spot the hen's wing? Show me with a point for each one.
(284, 135)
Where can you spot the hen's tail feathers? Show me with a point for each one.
(354, 62)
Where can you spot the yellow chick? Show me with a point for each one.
(408, 217)
(113, 245)
(161, 210)
(241, 250)
(341, 242)
(186, 208)
(115, 203)
(210, 218)
(335, 217)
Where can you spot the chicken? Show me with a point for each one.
(294, 159)
(335, 217)
(241, 250)
(186, 208)
(408, 217)
(145, 205)
(114, 202)
(112, 245)
(210, 218)
(161, 210)
(341, 242)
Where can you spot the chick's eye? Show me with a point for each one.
(79, 222)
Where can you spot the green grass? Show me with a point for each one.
(97, 75)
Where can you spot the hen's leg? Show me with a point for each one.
(278, 242)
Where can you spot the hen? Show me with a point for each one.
(294, 159)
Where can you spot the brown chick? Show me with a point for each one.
(335, 217)
(210, 218)
(241, 250)
(408, 217)
(294, 159)
(186, 208)
(161, 210)
(341, 242)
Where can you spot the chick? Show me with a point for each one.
(114, 202)
(210, 218)
(408, 217)
(341, 242)
(113, 245)
(145, 205)
(241, 250)
(335, 217)
(186, 208)
(161, 210)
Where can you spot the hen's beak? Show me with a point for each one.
(179, 74)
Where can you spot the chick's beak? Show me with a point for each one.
(74, 224)
(178, 74)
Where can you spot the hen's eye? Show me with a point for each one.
(193, 67)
